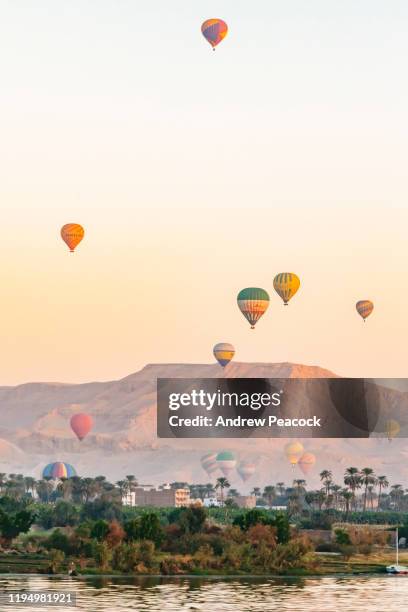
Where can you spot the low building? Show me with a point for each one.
(176, 498)
(211, 502)
(245, 501)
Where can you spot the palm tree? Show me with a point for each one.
(347, 496)
(201, 491)
(44, 489)
(256, 491)
(233, 493)
(64, 488)
(209, 489)
(221, 484)
(371, 495)
(321, 498)
(99, 482)
(281, 488)
(311, 499)
(294, 505)
(396, 494)
(382, 483)
(352, 479)
(335, 489)
(90, 488)
(110, 493)
(300, 486)
(132, 483)
(123, 487)
(326, 477)
(269, 494)
(15, 486)
(367, 478)
(77, 489)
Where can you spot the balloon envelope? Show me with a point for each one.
(209, 463)
(364, 308)
(246, 469)
(227, 462)
(253, 302)
(307, 462)
(214, 31)
(58, 469)
(72, 234)
(223, 352)
(294, 451)
(286, 285)
(81, 425)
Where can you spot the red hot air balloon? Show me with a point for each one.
(81, 425)
(307, 462)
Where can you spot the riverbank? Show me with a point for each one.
(322, 564)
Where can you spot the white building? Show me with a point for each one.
(211, 501)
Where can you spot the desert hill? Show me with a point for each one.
(34, 428)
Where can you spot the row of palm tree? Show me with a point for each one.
(76, 489)
(372, 489)
(372, 486)
(361, 489)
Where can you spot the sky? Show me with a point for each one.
(196, 174)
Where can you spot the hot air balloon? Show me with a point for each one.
(81, 425)
(209, 463)
(294, 451)
(307, 462)
(58, 470)
(226, 462)
(286, 285)
(72, 234)
(253, 302)
(223, 352)
(392, 429)
(214, 30)
(364, 308)
(246, 469)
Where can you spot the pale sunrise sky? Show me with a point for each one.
(196, 174)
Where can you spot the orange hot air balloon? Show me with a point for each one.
(307, 462)
(364, 308)
(72, 234)
(214, 31)
(81, 425)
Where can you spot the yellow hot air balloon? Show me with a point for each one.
(392, 429)
(294, 451)
(286, 285)
(72, 234)
(223, 352)
(364, 308)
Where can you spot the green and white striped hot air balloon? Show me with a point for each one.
(253, 302)
(227, 462)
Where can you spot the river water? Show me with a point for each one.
(331, 594)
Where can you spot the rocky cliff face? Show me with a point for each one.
(34, 427)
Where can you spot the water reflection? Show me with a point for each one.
(110, 594)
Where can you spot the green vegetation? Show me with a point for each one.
(81, 525)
